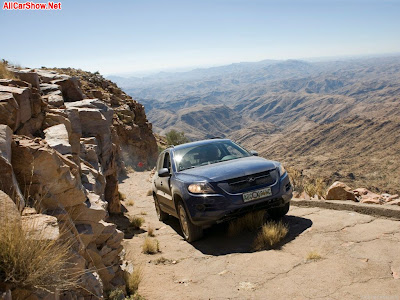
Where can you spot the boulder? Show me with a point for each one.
(8, 210)
(70, 88)
(389, 198)
(57, 137)
(8, 181)
(54, 99)
(41, 227)
(29, 76)
(49, 88)
(366, 196)
(340, 191)
(22, 96)
(45, 174)
(9, 111)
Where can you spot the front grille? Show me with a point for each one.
(240, 184)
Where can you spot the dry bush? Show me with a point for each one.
(150, 230)
(34, 264)
(130, 202)
(250, 222)
(163, 261)
(5, 73)
(296, 178)
(136, 222)
(143, 213)
(129, 169)
(317, 187)
(133, 280)
(270, 235)
(149, 193)
(151, 246)
(122, 196)
(313, 255)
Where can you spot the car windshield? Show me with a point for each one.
(200, 155)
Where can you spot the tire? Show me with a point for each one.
(162, 216)
(190, 231)
(277, 213)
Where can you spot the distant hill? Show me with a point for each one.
(328, 118)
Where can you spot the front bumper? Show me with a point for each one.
(216, 208)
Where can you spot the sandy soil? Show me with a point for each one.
(360, 256)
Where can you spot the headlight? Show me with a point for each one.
(200, 188)
(282, 170)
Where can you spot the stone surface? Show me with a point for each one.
(45, 175)
(9, 111)
(366, 196)
(70, 88)
(41, 227)
(57, 137)
(30, 76)
(22, 96)
(8, 181)
(340, 191)
(8, 210)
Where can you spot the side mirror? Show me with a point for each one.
(163, 172)
(253, 152)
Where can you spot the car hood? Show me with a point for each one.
(228, 169)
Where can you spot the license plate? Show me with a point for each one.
(254, 195)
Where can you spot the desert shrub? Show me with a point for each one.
(150, 230)
(149, 192)
(313, 255)
(296, 178)
(176, 137)
(151, 246)
(122, 196)
(4, 72)
(130, 202)
(133, 280)
(117, 294)
(162, 261)
(249, 222)
(136, 222)
(34, 264)
(316, 186)
(271, 234)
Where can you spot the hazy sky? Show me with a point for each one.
(131, 35)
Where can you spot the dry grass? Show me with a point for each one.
(143, 213)
(163, 261)
(149, 193)
(4, 73)
(317, 187)
(249, 222)
(136, 222)
(130, 202)
(270, 235)
(133, 280)
(151, 246)
(34, 264)
(122, 196)
(313, 255)
(150, 231)
(129, 169)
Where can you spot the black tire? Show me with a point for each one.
(162, 216)
(277, 213)
(190, 231)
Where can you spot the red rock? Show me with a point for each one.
(340, 191)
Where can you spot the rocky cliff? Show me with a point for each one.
(65, 137)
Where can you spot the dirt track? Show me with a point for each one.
(360, 257)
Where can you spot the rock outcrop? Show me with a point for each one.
(63, 137)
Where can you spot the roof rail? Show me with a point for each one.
(215, 137)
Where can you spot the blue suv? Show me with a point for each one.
(213, 181)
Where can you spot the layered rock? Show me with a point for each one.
(60, 144)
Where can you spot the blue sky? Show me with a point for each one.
(132, 36)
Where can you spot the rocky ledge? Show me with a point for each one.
(64, 135)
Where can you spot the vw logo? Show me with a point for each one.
(251, 179)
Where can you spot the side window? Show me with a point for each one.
(167, 162)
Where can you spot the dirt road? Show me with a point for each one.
(359, 257)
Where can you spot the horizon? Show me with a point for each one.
(154, 36)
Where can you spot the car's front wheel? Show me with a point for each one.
(190, 231)
(162, 216)
(278, 212)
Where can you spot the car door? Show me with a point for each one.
(163, 184)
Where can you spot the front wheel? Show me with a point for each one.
(278, 212)
(190, 231)
(162, 216)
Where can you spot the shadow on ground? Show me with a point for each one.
(217, 242)
(124, 224)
